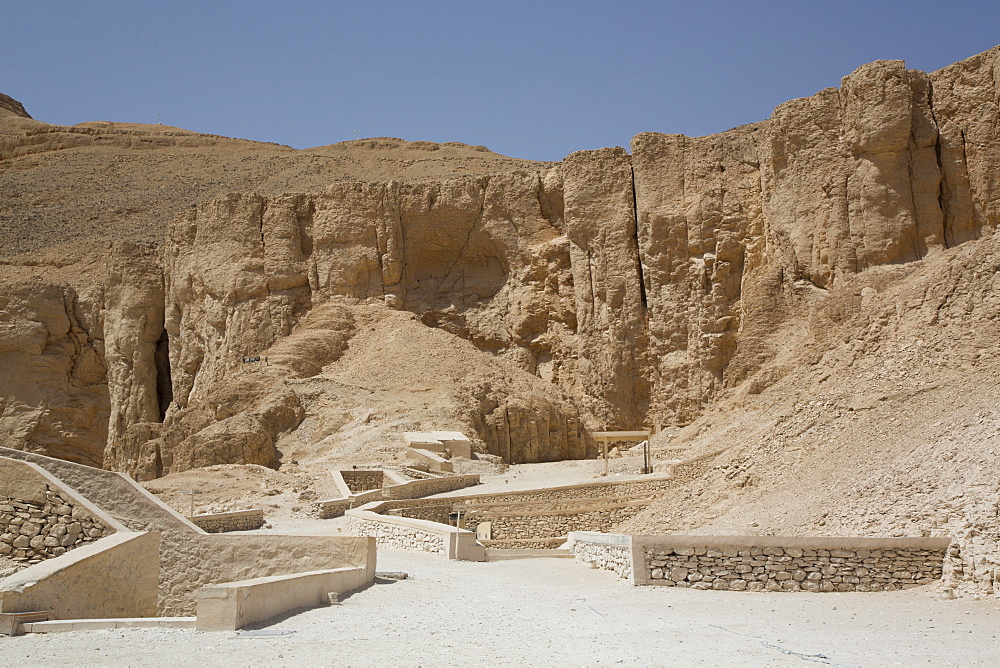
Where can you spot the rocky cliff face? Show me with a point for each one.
(613, 289)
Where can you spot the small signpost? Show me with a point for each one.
(192, 492)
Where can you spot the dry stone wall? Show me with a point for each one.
(398, 537)
(608, 552)
(362, 481)
(414, 489)
(596, 490)
(793, 568)
(548, 524)
(418, 488)
(432, 513)
(240, 520)
(768, 563)
(32, 531)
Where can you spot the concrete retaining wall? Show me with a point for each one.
(768, 563)
(240, 520)
(109, 578)
(232, 605)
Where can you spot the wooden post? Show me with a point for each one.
(605, 443)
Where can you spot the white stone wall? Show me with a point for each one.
(241, 520)
(616, 558)
(397, 537)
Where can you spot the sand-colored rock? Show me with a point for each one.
(53, 389)
(607, 291)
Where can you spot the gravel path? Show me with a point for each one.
(558, 612)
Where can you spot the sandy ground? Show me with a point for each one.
(559, 612)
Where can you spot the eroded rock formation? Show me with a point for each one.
(614, 289)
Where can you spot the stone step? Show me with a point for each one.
(66, 625)
(504, 555)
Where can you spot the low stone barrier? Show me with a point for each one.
(240, 520)
(547, 524)
(605, 489)
(607, 551)
(689, 469)
(524, 543)
(362, 480)
(114, 577)
(416, 489)
(767, 563)
(402, 533)
(413, 489)
(232, 605)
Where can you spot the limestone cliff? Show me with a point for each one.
(608, 291)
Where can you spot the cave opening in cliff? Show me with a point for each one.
(164, 389)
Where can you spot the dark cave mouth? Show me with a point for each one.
(164, 388)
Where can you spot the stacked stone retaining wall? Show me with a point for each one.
(434, 513)
(32, 531)
(419, 488)
(363, 480)
(398, 537)
(542, 524)
(610, 552)
(768, 563)
(594, 490)
(688, 470)
(240, 520)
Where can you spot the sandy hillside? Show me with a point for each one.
(79, 187)
(891, 429)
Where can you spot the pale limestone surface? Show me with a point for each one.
(461, 614)
(115, 577)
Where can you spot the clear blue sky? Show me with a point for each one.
(528, 79)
